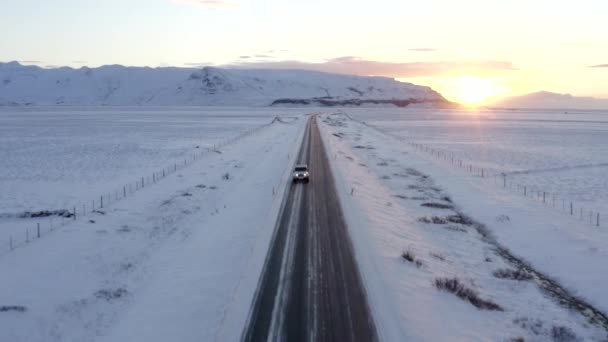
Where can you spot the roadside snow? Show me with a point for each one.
(64, 159)
(176, 261)
(397, 203)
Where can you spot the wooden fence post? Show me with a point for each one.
(38, 230)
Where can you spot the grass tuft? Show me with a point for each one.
(410, 257)
(518, 275)
(453, 285)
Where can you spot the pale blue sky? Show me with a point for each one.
(550, 43)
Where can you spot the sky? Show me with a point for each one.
(471, 51)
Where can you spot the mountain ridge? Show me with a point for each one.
(140, 86)
(550, 100)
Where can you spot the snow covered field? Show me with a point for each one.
(562, 154)
(60, 158)
(178, 260)
(418, 225)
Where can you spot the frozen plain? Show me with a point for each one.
(177, 260)
(399, 200)
(131, 267)
(562, 153)
(60, 158)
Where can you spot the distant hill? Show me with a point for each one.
(548, 100)
(140, 86)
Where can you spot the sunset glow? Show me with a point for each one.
(485, 59)
(473, 90)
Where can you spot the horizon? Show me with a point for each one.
(488, 102)
(470, 57)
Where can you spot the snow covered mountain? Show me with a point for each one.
(548, 100)
(119, 85)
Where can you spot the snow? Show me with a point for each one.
(177, 260)
(383, 182)
(563, 155)
(180, 259)
(135, 86)
(61, 158)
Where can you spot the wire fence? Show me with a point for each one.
(502, 179)
(61, 218)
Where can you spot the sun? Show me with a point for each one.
(473, 90)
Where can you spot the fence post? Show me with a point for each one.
(101, 202)
(571, 209)
(142, 182)
(124, 191)
(525, 190)
(544, 196)
(504, 181)
(27, 235)
(74, 213)
(598, 220)
(38, 230)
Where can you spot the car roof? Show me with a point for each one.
(301, 165)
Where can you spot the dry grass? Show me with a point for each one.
(453, 285)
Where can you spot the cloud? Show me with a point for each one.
(357, 66)
(599, 66)
(206, 3)
(79, 62)
(422, 50)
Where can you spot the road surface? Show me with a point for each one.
(310, 289)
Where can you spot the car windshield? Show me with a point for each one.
(301, 168)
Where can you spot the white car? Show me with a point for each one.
(300, 173)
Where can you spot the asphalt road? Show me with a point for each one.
(311, 289)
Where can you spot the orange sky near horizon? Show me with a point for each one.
(471, 51)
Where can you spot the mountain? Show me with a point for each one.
(140, 86)
(548, 100)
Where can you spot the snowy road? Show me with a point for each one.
(311, 288)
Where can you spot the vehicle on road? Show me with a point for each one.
(301, 173)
